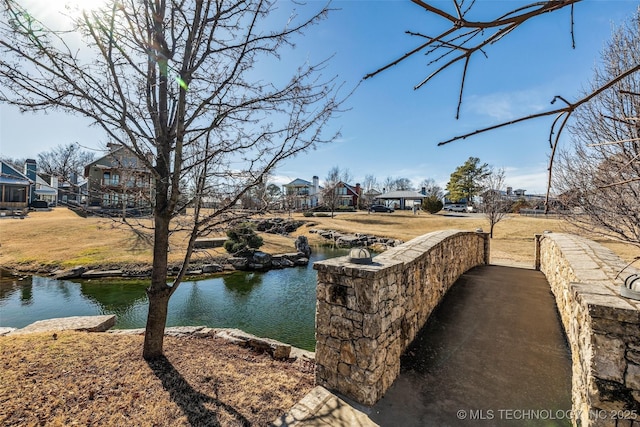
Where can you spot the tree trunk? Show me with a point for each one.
(158, 292)
(156, 321)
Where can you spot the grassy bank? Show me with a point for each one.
(101, 379)
(45, 241)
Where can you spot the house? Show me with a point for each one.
(301, 194)
(44, 188)
(47, 191)
(72, 190)
(369, 196)
(119, 180)
(348, 195)
(15, 190)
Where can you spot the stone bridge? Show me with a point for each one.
(367, 315)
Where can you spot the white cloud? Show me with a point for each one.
(534, 180)
(506, 106)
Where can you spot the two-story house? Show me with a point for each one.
(119, 180)
(301, 194)
(348, 195)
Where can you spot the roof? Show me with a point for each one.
(372, 192)
(11, 176)
(298, 183)
(45, 189)
(351, 188)
(396, 195)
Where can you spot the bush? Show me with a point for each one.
(520, 204)
(307, 214)
(242, 238)
(432, 204)
(324, 215)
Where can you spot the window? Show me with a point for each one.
(15, 194)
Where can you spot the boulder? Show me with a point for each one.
(76, 323)
(209, 242)
(238, 263)
(302, 261)
(302, 245)
(97, 274)
(72, 273)
(260, 261)
(211, 268)
(277, 349)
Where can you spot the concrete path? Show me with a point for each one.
(492, 353)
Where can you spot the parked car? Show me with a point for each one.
(455, 208)
(380, 208)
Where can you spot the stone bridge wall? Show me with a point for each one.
(603, 328)
(367, 315)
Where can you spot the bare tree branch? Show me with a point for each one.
(470, 37)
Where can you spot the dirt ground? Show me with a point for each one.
(101, 379)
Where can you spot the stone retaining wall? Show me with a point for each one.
(367, 315)
(603, 328)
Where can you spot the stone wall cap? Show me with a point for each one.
(610, 307)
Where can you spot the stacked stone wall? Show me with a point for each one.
(367, 315)
(603, 328)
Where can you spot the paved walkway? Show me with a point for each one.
(492, 353)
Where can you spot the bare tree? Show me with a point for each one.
(495, 206)
(397, 184)
(272, 197)
(432, 189)
(599, 178)
(369, 186)
(64, 161)
(179, 80)
(332, 186)
(369, 183)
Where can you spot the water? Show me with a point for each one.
(278, 304)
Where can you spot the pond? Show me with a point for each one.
(278, 304)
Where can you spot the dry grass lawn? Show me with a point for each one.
(45, 241)
(513, 239)
(101, 379)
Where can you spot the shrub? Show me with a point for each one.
(321, 208)
(242, 238)
(307, 214)
(324, 215)
(432, 204)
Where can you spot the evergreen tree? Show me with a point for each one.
(466, 181)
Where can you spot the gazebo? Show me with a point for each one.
(402, 197)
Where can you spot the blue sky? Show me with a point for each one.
(393, 130)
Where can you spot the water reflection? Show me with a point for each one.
(242, 283)
(26, 293)
(117, 298)
(279, 304)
